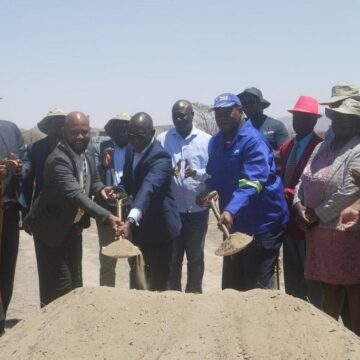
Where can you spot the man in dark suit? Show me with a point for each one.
(62, 210)
(11, 147)
(37, 153)
(153, 219)
(110, 160)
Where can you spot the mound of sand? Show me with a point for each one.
(106, 323)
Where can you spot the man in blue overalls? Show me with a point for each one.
(242, 169)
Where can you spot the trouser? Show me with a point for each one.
(295, 283)
(107, 264)
(253, 267)
(191, 241)
(9, 252)
(157, 258)
(59, 267)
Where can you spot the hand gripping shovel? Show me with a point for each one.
(234, 242)
(122, 248)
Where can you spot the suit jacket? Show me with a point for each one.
(339, 191)
(285, 151)
(53, 213)
(149, 186)
(37, 154)
(11, 141)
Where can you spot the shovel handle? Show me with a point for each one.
(119, 209)
(216, 212)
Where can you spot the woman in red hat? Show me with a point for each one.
(325, 189)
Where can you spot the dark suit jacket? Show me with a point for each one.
(54, 211)
(149, 186)
(11, 141)
(285, 151)
(37, 153)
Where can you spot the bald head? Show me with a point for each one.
(141, 131)
(76, 117)
(182, 115)
(77, 131)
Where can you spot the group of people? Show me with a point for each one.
(301, 192)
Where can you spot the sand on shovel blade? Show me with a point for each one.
(119, 249)
(233, 244)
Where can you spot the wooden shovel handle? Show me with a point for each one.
(119, 209)
(216, 212)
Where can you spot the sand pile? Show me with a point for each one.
(106, 323)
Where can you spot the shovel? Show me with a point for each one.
(233, 243)
(122, 248)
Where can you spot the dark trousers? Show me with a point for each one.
(295, 282)
(59, 267)
(254, 266)
(157, 258)
(191, 241)
(9, 252)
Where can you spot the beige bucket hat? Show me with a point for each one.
(348, 107)
(109, 127)
(45, 124)
(342, 92)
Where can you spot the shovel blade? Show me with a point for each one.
(120, 249)
(235, 243)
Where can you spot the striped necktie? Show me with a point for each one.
(291, 165)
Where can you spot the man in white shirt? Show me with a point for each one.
(188, 148)
(110, 159)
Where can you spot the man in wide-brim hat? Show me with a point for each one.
(37, 152)
(111, 159)
(52, 122)
(339, 93)
(254, 105)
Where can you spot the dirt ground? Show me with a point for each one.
(26, 290)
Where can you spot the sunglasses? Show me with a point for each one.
(139, 136)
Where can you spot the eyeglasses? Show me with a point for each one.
(141, 136)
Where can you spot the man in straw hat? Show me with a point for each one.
(110, 159)
(339, 93)
(11, 147)
(294, 155)
(63, 208)
(37, 153)
(241, 168)
(254, 105)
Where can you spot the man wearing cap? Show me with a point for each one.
(254, 105)
(241, 168)
(37, 153)
(110, 160)
(294, 155)
(188, 148)
(339, 93)
(11, 147)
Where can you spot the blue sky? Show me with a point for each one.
(105, 57)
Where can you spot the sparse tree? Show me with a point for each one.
(204, 119)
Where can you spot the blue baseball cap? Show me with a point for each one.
(226, 100)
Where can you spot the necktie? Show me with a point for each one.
(291, 165)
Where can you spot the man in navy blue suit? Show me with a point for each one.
(153, 219)
(11, 147)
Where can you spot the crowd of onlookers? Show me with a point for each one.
(301, 193)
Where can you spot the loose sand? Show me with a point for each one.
(106, 323)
